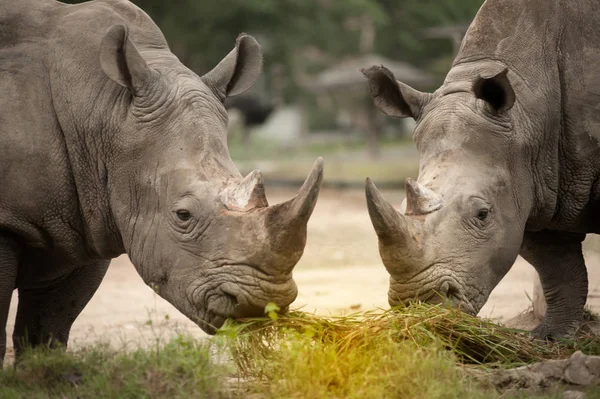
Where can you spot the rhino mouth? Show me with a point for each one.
(251, 300)
(447, 291)
(213, 323)
(219, 307)
(234, 301)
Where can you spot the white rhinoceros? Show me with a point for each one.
(509, 161)
(109, 145)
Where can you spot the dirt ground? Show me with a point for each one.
(340, 273)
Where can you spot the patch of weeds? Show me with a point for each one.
(181, 369)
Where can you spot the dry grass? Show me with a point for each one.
(408, 352)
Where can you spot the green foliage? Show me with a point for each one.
(403, 37)
(271, 310)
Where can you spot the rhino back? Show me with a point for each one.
(554, 45)
(34, 177)
(51, 115)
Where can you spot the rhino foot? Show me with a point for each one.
(548, 331)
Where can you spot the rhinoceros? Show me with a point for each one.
(509, 162)
(110, 145)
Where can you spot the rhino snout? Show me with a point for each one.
(250, 300)
(435, 291)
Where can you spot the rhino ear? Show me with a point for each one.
(238, 71)
(122, 62)
(393, 97)
(495, 90)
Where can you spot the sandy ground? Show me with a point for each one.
(340, 273)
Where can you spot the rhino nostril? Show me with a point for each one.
(447, 292)
(452, 293)
(232, 298)
(444, 290)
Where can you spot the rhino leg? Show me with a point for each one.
(9, 263)
(558, 259)
(45, 316)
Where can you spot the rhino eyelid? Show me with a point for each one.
(481, 200)
(483, 213)
(183, 215)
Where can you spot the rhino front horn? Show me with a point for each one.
(399, 235)
(301, 206)
(419, 199)
(247, 194)
(387, 221)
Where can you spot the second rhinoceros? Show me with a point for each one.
(109, 145)
(509, 162)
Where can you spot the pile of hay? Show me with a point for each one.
(411, 351)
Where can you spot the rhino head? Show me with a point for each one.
(460, 228)
(200, 234)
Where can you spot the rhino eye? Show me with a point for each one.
(183, 215)
(483, 213)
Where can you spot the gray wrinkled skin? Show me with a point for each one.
(509, 162)
(109, 145)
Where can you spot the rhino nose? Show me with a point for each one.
(232, 299)
(246, 302)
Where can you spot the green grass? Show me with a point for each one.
(418, 351)
(181, 369)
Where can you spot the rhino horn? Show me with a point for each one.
(389, 224)
(300, 207)
(420, 200)
(399, 235)
(247, 194)
(286, 223)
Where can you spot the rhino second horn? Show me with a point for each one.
(247, 194)
(419, 199)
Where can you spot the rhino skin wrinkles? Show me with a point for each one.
(109, 145)
(511, 136)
